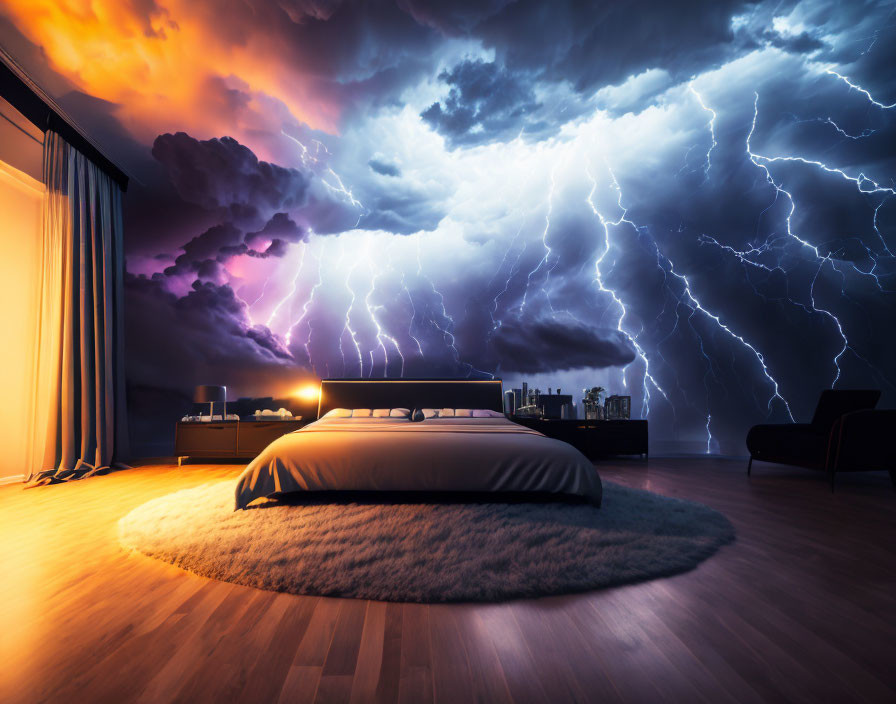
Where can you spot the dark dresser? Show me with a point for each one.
(594, 438)
(230, 439)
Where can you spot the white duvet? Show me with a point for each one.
(438, 454)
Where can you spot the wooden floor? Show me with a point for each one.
(801, 608)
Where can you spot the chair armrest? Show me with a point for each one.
(863, 440)
(788, 443)
(759, 434)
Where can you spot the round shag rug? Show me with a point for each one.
(427, 552)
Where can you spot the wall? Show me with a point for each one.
(21, 194)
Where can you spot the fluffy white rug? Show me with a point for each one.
(427, 552)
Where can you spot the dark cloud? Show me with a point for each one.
(209, 243)
(546, 345)
(202, 335)
(403, 211)
(281, 228)
(595, 44)
(277, 248)
(268, 341)
(485, 102)
(300, 10)
(275, 237)
(802, 43)
(229, 251)
(222, 173)
(202, 251)
(204, 256)
(384, 168)
(456, 18)
(352, 56)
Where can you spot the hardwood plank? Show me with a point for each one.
(313, 648)
(451, 671)
(489, 683)
(390, 667)
(272, 659)
(549, 650)
(300, 685)
(334, 689)
(520, 671)
(370, 654)
(343, 653)
(415, 684)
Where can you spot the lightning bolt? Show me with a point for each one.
(517, 262)
(496, 323)
(750, 256)
(323, 171)
(445, 329)
(867, 132)
(686, 296)
(381, 334)
(347, 324)
(333, 182)
(712, 129)
(264, 288)
(762, 163)
(599, 279)
(547, 248)
(307, 306)
(407, 292)
(295, 282)
(692, 302)
(853, 86)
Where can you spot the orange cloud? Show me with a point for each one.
(168, 67)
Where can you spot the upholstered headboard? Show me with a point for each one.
(410, 393)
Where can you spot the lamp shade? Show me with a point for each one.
(210, 394)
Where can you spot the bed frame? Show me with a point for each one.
(410, 393)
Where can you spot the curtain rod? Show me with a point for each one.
(43, 112)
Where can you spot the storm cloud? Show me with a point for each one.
(280, 228)
(691, 204)
(485, 102)
(222, 173)
(550, 345)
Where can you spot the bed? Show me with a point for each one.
(394, 453)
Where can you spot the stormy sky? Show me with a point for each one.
(691, 203)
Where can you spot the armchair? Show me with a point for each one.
(845, 435)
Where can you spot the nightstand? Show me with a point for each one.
(594, 438)
(231, 439)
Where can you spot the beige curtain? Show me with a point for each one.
(79, 425)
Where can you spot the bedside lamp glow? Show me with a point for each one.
(308, 392)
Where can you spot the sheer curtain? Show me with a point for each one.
(79, 423)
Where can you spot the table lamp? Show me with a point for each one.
(211, 395)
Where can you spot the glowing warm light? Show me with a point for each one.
(170, 70)
(308, 392)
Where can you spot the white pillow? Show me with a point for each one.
(446, 413)
(361, 413)
(463, 413)
(486, 413)
(380, 412)
(338, 413)
(400, 413)
(430, 412)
